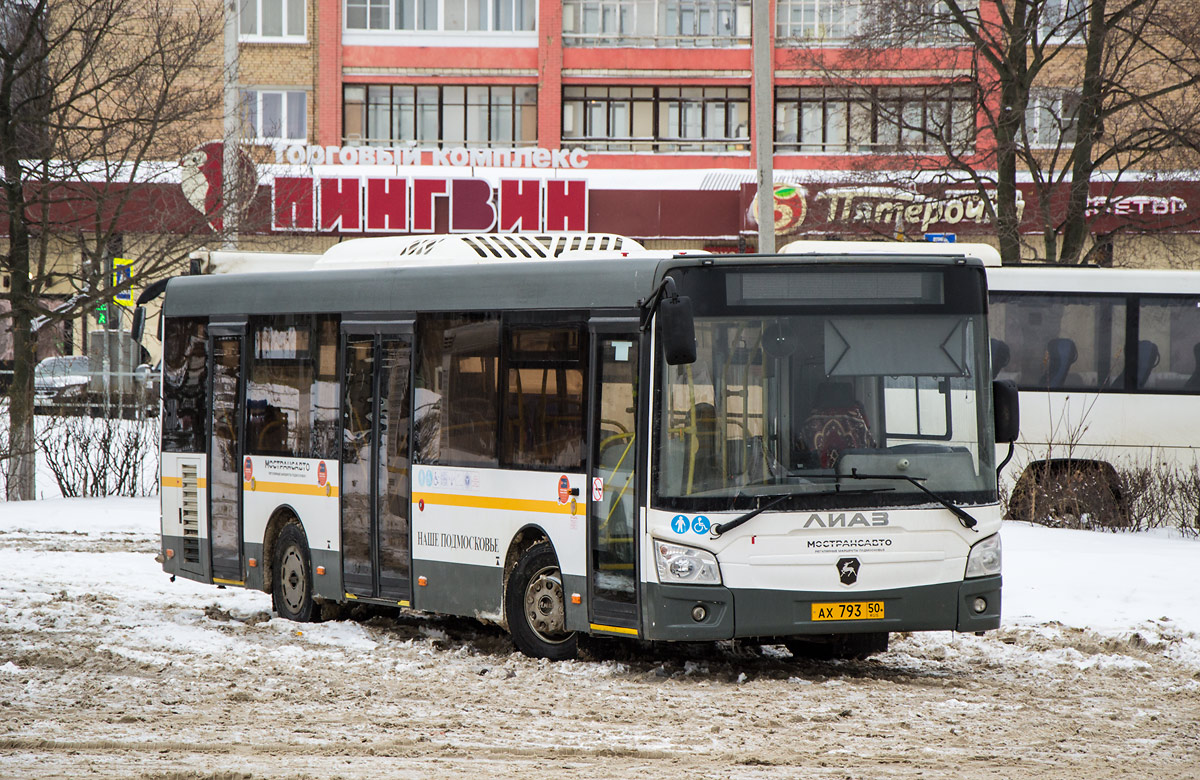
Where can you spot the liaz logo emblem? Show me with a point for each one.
(848, 570)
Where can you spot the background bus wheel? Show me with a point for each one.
(537, 607)
(291, 593)
(838, 646)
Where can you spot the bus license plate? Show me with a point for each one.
(848, 610)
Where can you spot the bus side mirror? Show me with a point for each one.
(678, 330)
(1006, 409)
(139, 324)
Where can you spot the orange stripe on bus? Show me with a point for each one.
(492, 502)
(177, 482)
(291, 489)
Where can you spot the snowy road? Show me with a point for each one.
(109, 670)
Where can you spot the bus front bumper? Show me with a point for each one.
(694, 613)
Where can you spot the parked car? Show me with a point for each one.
(67, 385)
(61, 384)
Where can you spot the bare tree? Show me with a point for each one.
(1063, 90)
(99, 101)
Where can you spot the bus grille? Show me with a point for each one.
(189, 514)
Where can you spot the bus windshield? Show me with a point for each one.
(836, 387)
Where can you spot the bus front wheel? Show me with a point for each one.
(291, 593)
(536, 606)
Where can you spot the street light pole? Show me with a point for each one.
(764, 125)
(229, 159)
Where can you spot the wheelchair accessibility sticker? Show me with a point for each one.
(681, 524)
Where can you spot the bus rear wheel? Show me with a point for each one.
(291, 592)
(536, 606)
(838, 646)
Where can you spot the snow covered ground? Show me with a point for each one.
(108, 669)
(1113, 584)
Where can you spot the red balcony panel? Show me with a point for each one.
(435, 56)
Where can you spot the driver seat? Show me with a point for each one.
(836, 423)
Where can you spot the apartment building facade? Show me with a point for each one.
(629, 116)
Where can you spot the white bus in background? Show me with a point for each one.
(797, 448)
(1107, 362)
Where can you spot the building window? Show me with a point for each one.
(272, 18)
(657, 118)
(1051, 118)
(708, 23)
(882, 119)
(275, 114)
(820, 19)
(831, 21)
(444, 15)
(1063, 18)
(388, 115)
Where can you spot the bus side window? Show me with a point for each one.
(544, 397)
(457, 390)
(1172, 326)
(185, 385)
(291, 395)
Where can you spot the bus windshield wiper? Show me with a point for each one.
(775, 501)
(963, 515)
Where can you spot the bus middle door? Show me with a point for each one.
(375, 487)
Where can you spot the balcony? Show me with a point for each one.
(706, 24)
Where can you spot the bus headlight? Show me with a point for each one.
(985, 557)
(677, 563)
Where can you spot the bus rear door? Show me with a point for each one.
(225, 475)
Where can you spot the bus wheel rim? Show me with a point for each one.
(295, 587)
(545, 607)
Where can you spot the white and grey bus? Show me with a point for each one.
(796, 448)
(1107, 362)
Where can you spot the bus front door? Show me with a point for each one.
(225, 462)
(376, 553)
(613, 495)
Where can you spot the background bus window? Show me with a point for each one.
(185, 385)
(544, 398)
(1169, 344)
(292, 406)
(458, 390)
(1067, 342)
